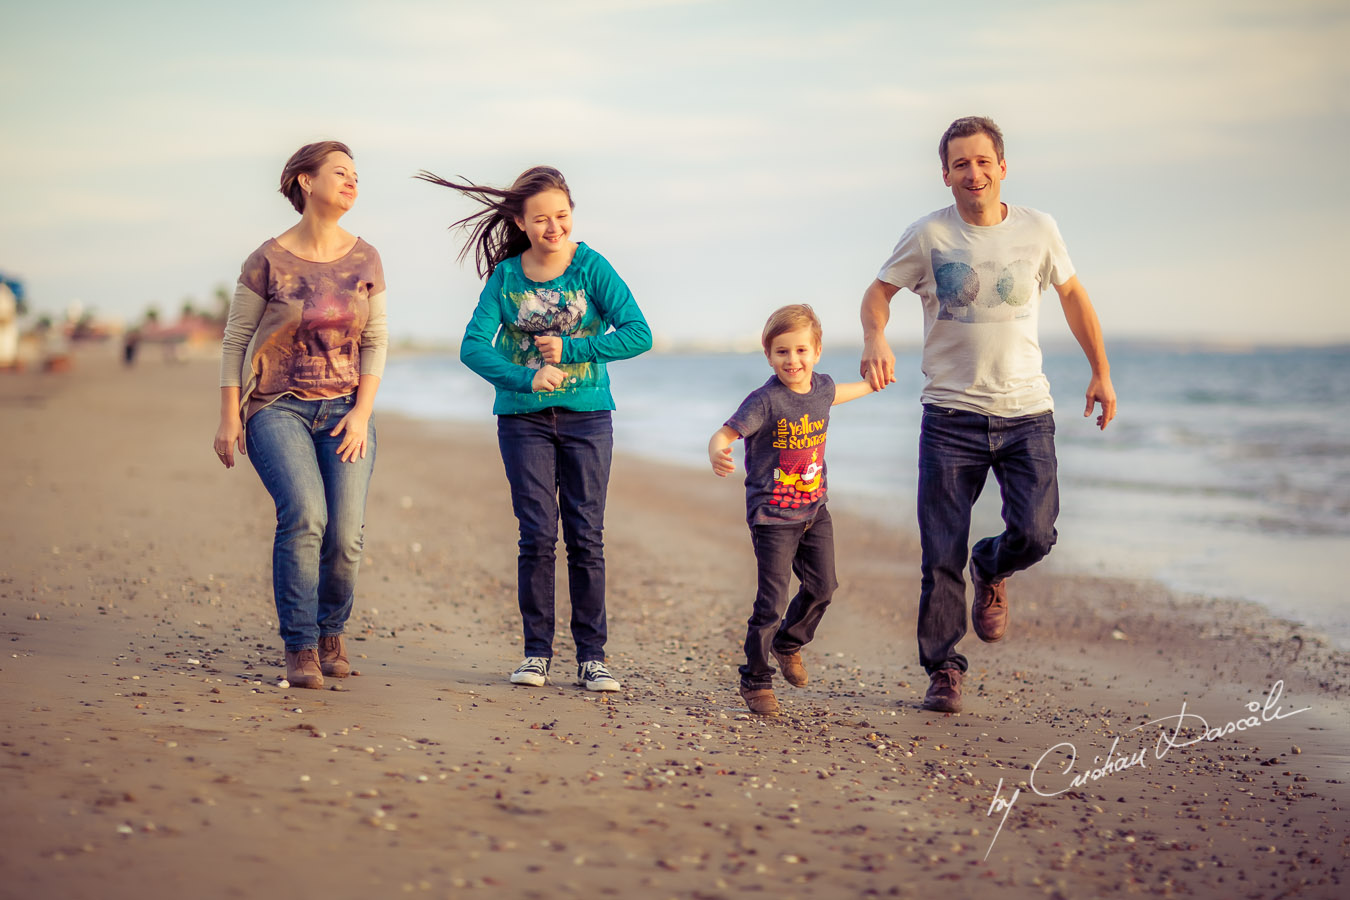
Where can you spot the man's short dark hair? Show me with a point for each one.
(968, 126)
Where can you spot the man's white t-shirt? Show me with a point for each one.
(981, 289)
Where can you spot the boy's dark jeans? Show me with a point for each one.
(557, 462)
(805, 549)
(956, 451)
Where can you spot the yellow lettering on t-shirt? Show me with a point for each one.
(801, 443)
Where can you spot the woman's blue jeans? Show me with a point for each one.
(321, 507)
(557, 462)
(956, 451)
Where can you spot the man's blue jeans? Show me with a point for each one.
(321, 507)
(557, 462)
(805, 549)
(956, 451)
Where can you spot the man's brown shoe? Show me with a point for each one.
(761, 701)
(989, 612)
(944, 691)
(790, 664)
(333, 656)
(302, 668)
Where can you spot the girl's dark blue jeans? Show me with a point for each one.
(557, 462)
(956, 451)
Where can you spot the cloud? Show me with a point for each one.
(767, 147)
(1159, 81)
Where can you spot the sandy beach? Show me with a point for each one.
(149, 753)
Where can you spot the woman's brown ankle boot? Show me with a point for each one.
(333, 656)
(302, 668)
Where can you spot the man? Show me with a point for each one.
(980, 266)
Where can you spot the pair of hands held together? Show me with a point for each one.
(549, 377)
(878, 369)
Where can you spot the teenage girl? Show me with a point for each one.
(552, 313)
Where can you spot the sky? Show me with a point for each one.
(726, 157)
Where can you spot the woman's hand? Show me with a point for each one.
(548, 378)
(229, 435)
(550, 348)
(354, 423)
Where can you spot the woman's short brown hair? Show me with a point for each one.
(306, 161)
(790, 318)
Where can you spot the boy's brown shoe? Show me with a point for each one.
(790, 664)
(944, 691)
(302, 668)
(333, 656)
(761, 701)
(989, 611)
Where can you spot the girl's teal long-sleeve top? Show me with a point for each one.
(588, 306)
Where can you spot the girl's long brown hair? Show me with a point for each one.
(493, 233)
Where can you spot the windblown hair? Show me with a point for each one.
(967, 127)
(306, 161)
(790, 318)
(493, 233)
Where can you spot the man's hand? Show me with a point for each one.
(1100, 391)
(878, 363)
(1087, 330)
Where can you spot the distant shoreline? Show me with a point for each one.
(411, 346)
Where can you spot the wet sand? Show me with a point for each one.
(147, 751)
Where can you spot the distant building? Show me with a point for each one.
(9, 327)
(194, 334)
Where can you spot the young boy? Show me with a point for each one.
(784, 424)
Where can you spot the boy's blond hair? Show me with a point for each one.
(790, 318)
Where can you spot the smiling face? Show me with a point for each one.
(975, 174)
(546, 219)
(333, 185)
(793, 356)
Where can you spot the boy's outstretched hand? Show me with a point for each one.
(722, 463)
(719, 451)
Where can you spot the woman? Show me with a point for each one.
(303, 353)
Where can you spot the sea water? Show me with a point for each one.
(1225, 473)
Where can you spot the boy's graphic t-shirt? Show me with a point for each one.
(784, 436)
